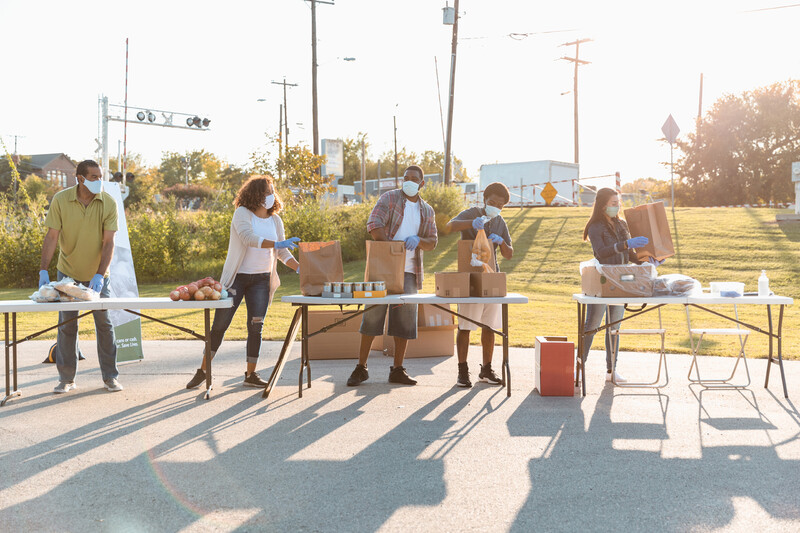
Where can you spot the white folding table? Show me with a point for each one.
(698, 302)
(10, 308)
(300, 320)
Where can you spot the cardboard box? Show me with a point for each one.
(465, 255)
(429, 316)
(452, 284)
(430, 342)
(340, 342)
(618, 281)
(487, 284)
(650, 220)
(553, 368)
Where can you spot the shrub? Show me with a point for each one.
(160, 243)
(22, 232)
(446, 202)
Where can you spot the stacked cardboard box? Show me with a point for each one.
(340, 342)
(470, 280)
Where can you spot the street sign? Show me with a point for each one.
(670, 129)
(549, 192)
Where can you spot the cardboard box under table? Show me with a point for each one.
(435, 335)
(340, 342)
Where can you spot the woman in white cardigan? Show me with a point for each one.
(257, 241)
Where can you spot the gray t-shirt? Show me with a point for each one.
(495, 225)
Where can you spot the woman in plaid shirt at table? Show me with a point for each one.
(399, 215)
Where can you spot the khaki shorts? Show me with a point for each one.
(488, 314)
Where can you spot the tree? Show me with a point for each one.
(743, 148)
(297, 170)
(204, 168)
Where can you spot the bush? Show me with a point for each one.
(22, 232)
(160, 243)
(446, 202)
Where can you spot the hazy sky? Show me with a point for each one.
(216, 59)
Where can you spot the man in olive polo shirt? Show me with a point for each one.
(82, 221)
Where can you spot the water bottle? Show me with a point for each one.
(763, 284)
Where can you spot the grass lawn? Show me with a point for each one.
(720, 244)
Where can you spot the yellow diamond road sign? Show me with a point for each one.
(549, 192)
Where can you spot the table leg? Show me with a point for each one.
(770, 359)
(14, 348)
(10, 340)
(303, 350)
(285, 350)
(780, 351)
(581, 341)
(506, 365)
(207, 351)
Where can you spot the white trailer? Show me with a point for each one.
(526, 181)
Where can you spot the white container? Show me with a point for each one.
(727, 288)
(763, 284)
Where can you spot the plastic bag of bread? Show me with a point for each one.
(482, 252)
(676, 285)
(68, 287)
(46, 293)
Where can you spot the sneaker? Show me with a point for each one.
(199, 377)
(487, 375)
(619, 378)
(463, 376)
(399, 375)
(112, 385)
(359, 375)
(64, 386)
(254, 380)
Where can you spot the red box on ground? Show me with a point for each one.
(553, 372)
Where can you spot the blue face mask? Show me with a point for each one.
(95, 187)
(410, 188)
(612, 210)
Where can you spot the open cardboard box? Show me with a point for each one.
(340, 342)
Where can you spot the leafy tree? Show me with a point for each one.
(204, 168)
(743, 148)
(296, 170)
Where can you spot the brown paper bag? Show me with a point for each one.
(650, 220)
(465, 254)
(386, 261)
(319, 262)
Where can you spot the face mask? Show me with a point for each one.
(269, 201)
(612, 210)
(492, 211)
(410, 188)
(95, 187)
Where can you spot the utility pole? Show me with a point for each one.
(700, 103)
(314, 71)
(578, 62)
(448, 147)
(363, 173)
(396, 176)
(280, 137)
(285, 112)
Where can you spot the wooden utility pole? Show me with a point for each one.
(578, 62)
(396, 176)
(285, 112)
(363, 173)
(280, 137)
(314, 71)
(700, 102)
(448, 147)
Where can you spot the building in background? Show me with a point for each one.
(59, 169)
(527, 181)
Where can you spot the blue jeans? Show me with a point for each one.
(67, 358)
(594, 316)
(254, 288)
(402, 318)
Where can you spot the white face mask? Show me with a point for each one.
(269, 201)
(410, 188)
(95, 187)
(492, 211)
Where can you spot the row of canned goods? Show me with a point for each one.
(347, 286)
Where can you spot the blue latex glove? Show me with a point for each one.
(495, 238)
(288, 243)
(478, 223)
(655, 261)
(637, 242)
(298, 269)
(44, 278)
(97, 283)
(412, 242)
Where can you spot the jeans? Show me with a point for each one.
(402, 318)
(594, 316)
(67, 358)
(254, 288)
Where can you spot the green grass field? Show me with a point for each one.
(720, 244)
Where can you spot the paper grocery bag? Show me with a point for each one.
(650, 220)
(386, 261)
(319, 262)
(465, 255)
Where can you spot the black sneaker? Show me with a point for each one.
(254, 380)
(463, 376)
(399, 375)
(359, 374)
(199, 377)
(487, 375)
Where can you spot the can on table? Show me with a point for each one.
(379, 286)
(358, 286)
(347, 286)
(336, 286)
(327, 286)
(367, 286)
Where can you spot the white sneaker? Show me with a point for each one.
(112, 385)
(64, 386)
(619, 378)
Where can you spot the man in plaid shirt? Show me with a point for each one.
(399, 215)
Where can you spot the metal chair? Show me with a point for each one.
(717, 383)
(662, 360)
